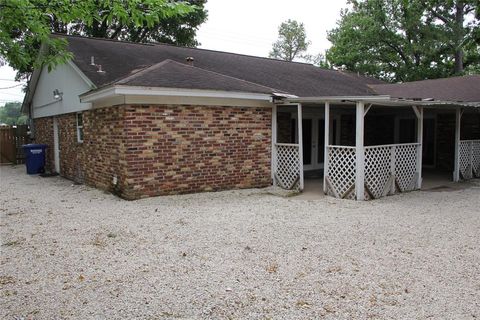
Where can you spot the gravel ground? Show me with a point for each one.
(73, 252)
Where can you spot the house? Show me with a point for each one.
(143, 120)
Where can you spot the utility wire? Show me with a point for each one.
(17, 85)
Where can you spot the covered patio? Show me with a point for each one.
(365, 148)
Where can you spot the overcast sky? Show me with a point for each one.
(247, 27)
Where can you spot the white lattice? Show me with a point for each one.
(390, 169)
(341, 171)
(465, 163)
(469, 154)
(287, 166)
(476, 158)
(406, 166)
(378, 170)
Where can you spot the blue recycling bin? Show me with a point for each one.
(34, 157)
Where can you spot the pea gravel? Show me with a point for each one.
(74, 252)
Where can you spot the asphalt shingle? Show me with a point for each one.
(120, 59)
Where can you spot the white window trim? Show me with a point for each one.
(79, 140)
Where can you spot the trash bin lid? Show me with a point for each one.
(34, 145)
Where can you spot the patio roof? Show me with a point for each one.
(383, 100)
(461, 89)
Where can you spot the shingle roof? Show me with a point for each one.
(461, 89)
(172, 74)
(120, 59)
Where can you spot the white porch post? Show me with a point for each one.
(419, 113)
(360, 152)
(458, 120)
(327, 143)
(300, 144)
(274, 141)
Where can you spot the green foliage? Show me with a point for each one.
(175, 28)
(10, 114)
(292, 41)
(399, 40)
(26, 24)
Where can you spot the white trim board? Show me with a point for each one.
(116, 90)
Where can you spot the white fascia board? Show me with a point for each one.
(81, 74)
(337, 98)
(106, 92)
(178, 92)
(31, 86)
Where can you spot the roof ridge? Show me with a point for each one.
(235, 78)
(142, 71)
(353, 74)
(101, 39)
(167, 61)
(428, 80)
(153, 44)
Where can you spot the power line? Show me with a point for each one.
(17, 85)
(12, 94)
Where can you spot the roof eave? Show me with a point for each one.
(380, 100)
(122, 90)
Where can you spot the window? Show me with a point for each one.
(79, 127)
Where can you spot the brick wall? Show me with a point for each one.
(182, 149)
(445, 141)
(158, 150)
(284, 128)
(95, 161)
(470, 128)
(347, 129)
(379, 129)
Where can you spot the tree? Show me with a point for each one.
(26, 24)
(461, 33)
(11, 114)
(399, 40)
(177, 29)
(319, 60)
(292, 41)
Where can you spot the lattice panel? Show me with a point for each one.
(476, 158)
(469, 153)
(341, 172)
(377, 170)
(406, 166)
(287, 166)
(465, 163)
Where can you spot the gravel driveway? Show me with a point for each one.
(73, 252)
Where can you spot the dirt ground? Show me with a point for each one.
(72, 252)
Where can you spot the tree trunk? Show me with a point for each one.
(459, 18)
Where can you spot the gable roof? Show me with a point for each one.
(120, 59)
(461, 89)
(172, 74)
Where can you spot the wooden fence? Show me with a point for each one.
(11, 141)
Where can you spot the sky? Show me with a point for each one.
(247, 27)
